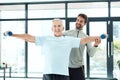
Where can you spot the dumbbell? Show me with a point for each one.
(8, 33)
(103, 36)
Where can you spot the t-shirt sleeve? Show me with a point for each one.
(39, 41)
(76, 42)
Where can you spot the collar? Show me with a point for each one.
(78, 30)
(58, 36)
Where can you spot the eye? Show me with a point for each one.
(59, 25)
(81, 21)
(54, 25)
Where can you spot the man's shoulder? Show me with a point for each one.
(68, 31)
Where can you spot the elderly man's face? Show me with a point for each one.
(57, 28)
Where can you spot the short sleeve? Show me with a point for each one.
(76, 42)
(39, 41)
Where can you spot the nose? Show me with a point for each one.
(57, 29)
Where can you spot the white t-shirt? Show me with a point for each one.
(56, 52)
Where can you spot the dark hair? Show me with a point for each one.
(83, 16)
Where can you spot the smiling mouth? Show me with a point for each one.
(78, 24)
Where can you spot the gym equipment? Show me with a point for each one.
(9, 33)
(103, 36)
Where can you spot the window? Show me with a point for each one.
(92, 9)
(46, 11)
(12, 49)
(115, 6)
(12, 11)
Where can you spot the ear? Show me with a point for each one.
(63, 28)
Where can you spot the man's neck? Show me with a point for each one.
(58, 35)
(79, 29)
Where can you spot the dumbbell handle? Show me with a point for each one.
(9, 33)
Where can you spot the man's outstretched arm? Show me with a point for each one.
(26, 37)
(89, 39)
